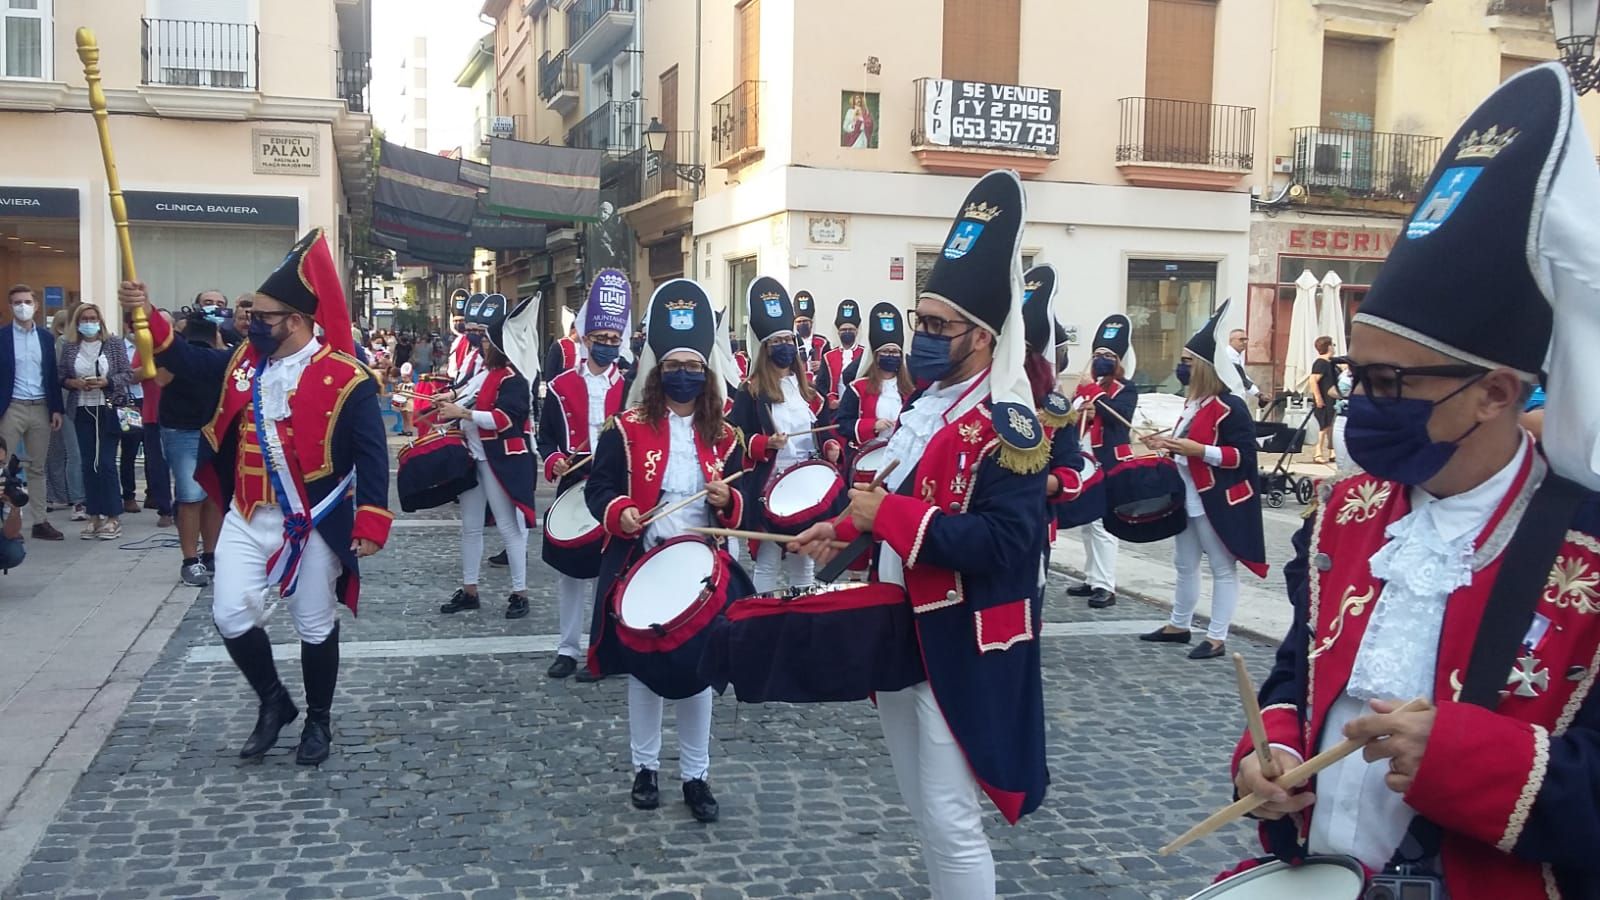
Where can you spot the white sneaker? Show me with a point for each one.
(79, 514)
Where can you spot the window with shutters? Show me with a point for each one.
(1178, 115)
(982, 40)
(1511, 65)
(1350, 84)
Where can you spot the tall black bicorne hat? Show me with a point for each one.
(458, 301)
(309, 281)
(1461, 278)
(681, 318)
(885, 327)
(1061, 347)
(973, 272)
(1114, 334)
(473, 301)
(770, 310)
(491, 312)
(1210, 344)
(849, 313)
(805, 305)
(1038, 309)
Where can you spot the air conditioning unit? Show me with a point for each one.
(502, 126)
(1335, 159)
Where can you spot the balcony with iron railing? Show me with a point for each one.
(558, 81)
(667, 181)
(1351, 165)
(736, 126)
(354, 77)
(1185, 144)
(1531, 8)
(598, 29)
(185, 53)
(612, 127)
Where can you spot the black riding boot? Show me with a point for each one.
(252, 653)
(319, 663)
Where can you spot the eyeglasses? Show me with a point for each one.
(272, 317)
(673, 365)
(936, 324)
(606, 342)
(1385, 383)
(786, 339)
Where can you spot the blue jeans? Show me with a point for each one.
(98, 439)
(157, 480)
(182, 449)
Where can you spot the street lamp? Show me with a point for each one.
(655, 139)
(1576, 23)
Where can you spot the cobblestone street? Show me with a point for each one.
(460, 770)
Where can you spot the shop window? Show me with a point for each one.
(741, 272)
(1168, 301)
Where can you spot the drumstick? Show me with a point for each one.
(1290, 780)
(811, 431)
(877, 482)
(751, 535)
(1100, 402)
(580, 464)
(1252, 718)
(659, 513)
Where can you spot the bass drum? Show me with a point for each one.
(433, 470)
(1144, 500)
(1318, 878)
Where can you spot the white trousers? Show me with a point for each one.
(1100, 551)
(645, 708)
(239, 590)
(940, 793)
(572, 595)
(799, 570)
(507, 519)
(1194, 540)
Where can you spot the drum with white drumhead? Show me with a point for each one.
(1318, 878)
(802, 494)
(572, 535)
(662, 610)
(874, 455)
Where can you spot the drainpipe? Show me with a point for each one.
(694, 236)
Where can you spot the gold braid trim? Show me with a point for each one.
(1029, 461)
(1054, 421)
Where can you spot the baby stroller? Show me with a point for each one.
(1286, 440)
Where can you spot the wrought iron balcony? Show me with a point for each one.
(557, 75)
(1184, 144)
(202, 54)
(675, 168)
(1536, 8)
(354, 76)
(612, 127)
(598, 29)
(736, 124)
(1368, 165)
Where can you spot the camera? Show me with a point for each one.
(13, 485)
(1404, 887)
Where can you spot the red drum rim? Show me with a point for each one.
(685, 626)
(591, 536)
(872, 446)
(840, 598)
(427, 441)
(811, 513)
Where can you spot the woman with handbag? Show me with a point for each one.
(131, 420)
(94, 369)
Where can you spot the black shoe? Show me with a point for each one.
(459, 601)
(1102, 598)
(645, 793)
(1163, 636)
(1208, 650)
(1082, 590)
(516, 606)
(697, 794)
(500, 560)
(315, 739)
(562, 667)
(276, 712)
(585, 676)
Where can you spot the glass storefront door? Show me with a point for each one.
(1168, 300)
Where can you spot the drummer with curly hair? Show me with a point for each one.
(671, 444)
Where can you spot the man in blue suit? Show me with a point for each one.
(30, 398)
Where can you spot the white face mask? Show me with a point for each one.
(22, 312)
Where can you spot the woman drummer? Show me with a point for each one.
(664, 449)
(773, 407)
(1215, 439)
(871, 404)
(1105, 403)
(1068, 479)
(578, 403)
(496, 430)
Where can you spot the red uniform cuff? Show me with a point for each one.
(501, 420)
(902, 522)
(1230, 457)
(1071, 485)
(613, 517)
(550, 465)
(866, 429)
(1283, 728)
(734, 514)
(1490, 800)
(161, 333)
(372, 524)
(759, 451)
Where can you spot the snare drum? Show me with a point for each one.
(433, 470)
(835, 643)
(803, 494)
(874, 455)
(663, 609)
(1318, 878)
(1145, 500)
(572, 536)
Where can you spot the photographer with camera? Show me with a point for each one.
(13, 497)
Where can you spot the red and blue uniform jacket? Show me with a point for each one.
(1228, 491)
(564, 435)
(836, 361)
(971, 533)
(506, 448)
(1081, 497)
(752, 415)
(1515, 789)
(334, 427)
(858, 413)
(629, 465)
(1107, 438)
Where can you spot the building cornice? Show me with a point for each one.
(179, 103)
(1388, 11)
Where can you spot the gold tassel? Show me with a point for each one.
(1054, 421)
(1029, 461)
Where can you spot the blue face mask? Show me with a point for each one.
(1102, 366)
(889, 364)
(1391, 441)
(604, 354)
(782, 355)
(1182, 372)
(803, 330)
(683, 386)
(262, 337)
(847, 338)
(930, 357)
(475, 340)
(89, 330)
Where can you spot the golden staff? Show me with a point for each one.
(89, 52)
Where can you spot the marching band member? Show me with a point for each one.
(565, 354)
(1459, 568)
(306, 495)
(578, 403)
(776, 402)
(1108, 393)
(1216, 440)
(961, 527)
(872, 403)
(678, 444)
(1070, 474)
(496, 428)
(811, 346)
(847, 322)
(463, 359)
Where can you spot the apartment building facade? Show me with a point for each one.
(237, 125)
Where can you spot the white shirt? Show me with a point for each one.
(90, 364)
(282, 377)
(1237, 358)
(938, 405)
(683, 479)
(1356, 814)
(1213, 457)
(29, 382)
(889, 399)
(467, 396)
(790, 416)
(599, 386)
